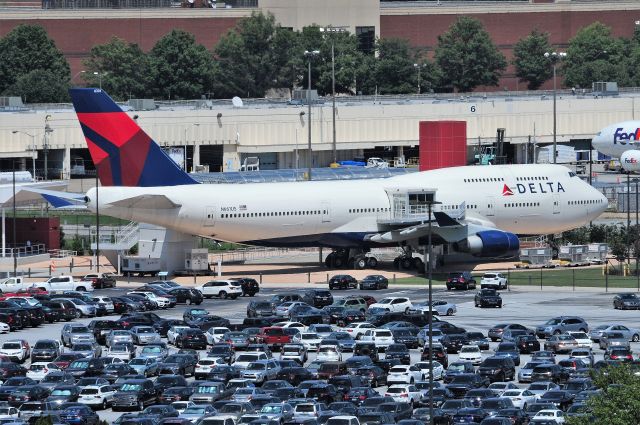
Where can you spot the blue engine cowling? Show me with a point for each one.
(490, 243)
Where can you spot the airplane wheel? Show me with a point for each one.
(418, 264)
(373, 262)
(338, 262)
(406, 263)
(329, 260)
(361, 263)
(396, 263)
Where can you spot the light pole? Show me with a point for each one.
(32, 148)
(99, 74)
(76, 74)
(428, 264)
(309, 55)
(45, 145)
(418, 67)
(186, 143)
(554, 57)
(332, 29)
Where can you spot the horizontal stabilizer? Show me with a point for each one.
(160, 202)
(444, 220)
(60, 199)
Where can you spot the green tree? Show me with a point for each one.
(619, 401)
(469, 56)
(182, 69)
(258, 54)
(40, 86)
(44, 420)
(125, 70)
(28, 48)
(394, 71)
(531, 65)
(595, 55)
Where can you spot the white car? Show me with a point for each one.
(106, 302)
(161, 302)
(121, 351)
(310, 340)
(403, 393)
(97, 396)
(296, 325)
(402, 374)
(438, 370)
(16, 349)
(38, 370)
(214, 335)
(356, 329)
(181, 405)
(329, 354)
(393, 304)
(493, 280)
(206, 365)
(551, 415)
(173, 332)
(382, 338)
(439, 307)
(221, 289)
(243, 360)
(582, 339)
(520, 398)
(9, 412)
(4, 328)
(541, 387)
(470, 353)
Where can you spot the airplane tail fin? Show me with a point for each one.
(122, 152)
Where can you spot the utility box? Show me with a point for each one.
(574, 254)
(142, 104)
(197, 260)
(140, 266)
(598, 252)
(536, 256)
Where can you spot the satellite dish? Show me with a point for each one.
(237, 102)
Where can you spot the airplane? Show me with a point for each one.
(620, 140)
(480, 209)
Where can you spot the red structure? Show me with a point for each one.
(38, 230)
(442, 144)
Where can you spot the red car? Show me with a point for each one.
(273, 337)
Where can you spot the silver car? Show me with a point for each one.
(143, 335)
(85, 309)
(630, 334)
(74, 334)
(87, 349)
(261, 371)
(440, 307)
(119, 336)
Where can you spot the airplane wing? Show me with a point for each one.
(159, 202)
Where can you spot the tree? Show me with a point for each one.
(182, 68)
(469, 56)
(27, 48)
(44, 420)
(619, 401)
(258, 54)
(594, 55)
(394, 71)
(40, 86)
(125, 70)
(531, 65)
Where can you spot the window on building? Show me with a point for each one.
(366, 39)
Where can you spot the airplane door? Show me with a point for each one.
(326, 211)
(490, 206)
(209, 219)
(556, 204)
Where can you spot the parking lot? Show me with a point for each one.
(527, 307)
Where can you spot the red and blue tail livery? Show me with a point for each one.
(122, 152)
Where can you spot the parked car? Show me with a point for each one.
(493, 281)
(343, 281)
(488, 298)
(626, 301)
(221, 289)
(374, 281)
(561, 324)
(460, 280)
(393, 304)
(187, 296)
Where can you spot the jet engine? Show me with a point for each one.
(490, 243)
(630, 160)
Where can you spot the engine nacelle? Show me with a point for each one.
(630, 160)
(490, 243)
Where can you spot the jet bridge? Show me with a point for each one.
(409, 205)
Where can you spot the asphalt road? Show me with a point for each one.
(527, 307)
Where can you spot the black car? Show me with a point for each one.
(294, 375)
(187, 296)
(101, 329)
(406, 337)
(464, 382)
(398, 351)
(560, 398)
(261, 309)
(454, 342)
(317, 297)
(373, 375)
(460, 280)
(399, 411)
(488, 298)
(457, 368)
(26, 393)
(324, 393)
(628, 301)
(12, 319)
(478, 338)
(527, 344)
(549, 372)
(249, 286)
(172, 394)
(207, 322)
(343, 281)
(45, 350)
(343, 317)
(164, 382)
(498, 369)
(79, 414)
(374, 281)
(134, 394)
(438, 353)
(10, 369)
(178, 364)
(469, 415)
(125, 305)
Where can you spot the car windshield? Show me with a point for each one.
(11, 346)
(385, 301)
(271, 409)
(396, 390)
(80, 364)
(552, 322)
(206, 389)
(193, 410)
(489, 276)
(469, 350)
(153, 350)
(256, 366)
(145, 330)
(60, 392)
(89, 391)
(45, 345)
(130, 387)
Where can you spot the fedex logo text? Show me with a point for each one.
(630, 161)
(625, 138)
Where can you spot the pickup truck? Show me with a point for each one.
(274, 337)
(12, 284)
(100, 280)
(63, 283)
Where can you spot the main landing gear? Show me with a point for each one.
(407, 261)
(351, 258)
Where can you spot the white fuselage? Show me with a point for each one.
(618, 138)
(544, 199)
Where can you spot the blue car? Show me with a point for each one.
(509, 349)
(80, 415)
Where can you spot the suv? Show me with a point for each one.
(261, 309)
(498, 369)
(249, 286)
(460, 280)
(101, 280)
(562, 324)
(318, 297)
(494, 281)
(488, 298)
(134, 393)
(343, 281)
(355, 303)
(221, 289)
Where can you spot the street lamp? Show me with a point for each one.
(331, 29)
(99, 74)
(45, 145)
(32, 148)
(418, 66)
(309, 55)
(554, 57)
(76, 74)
